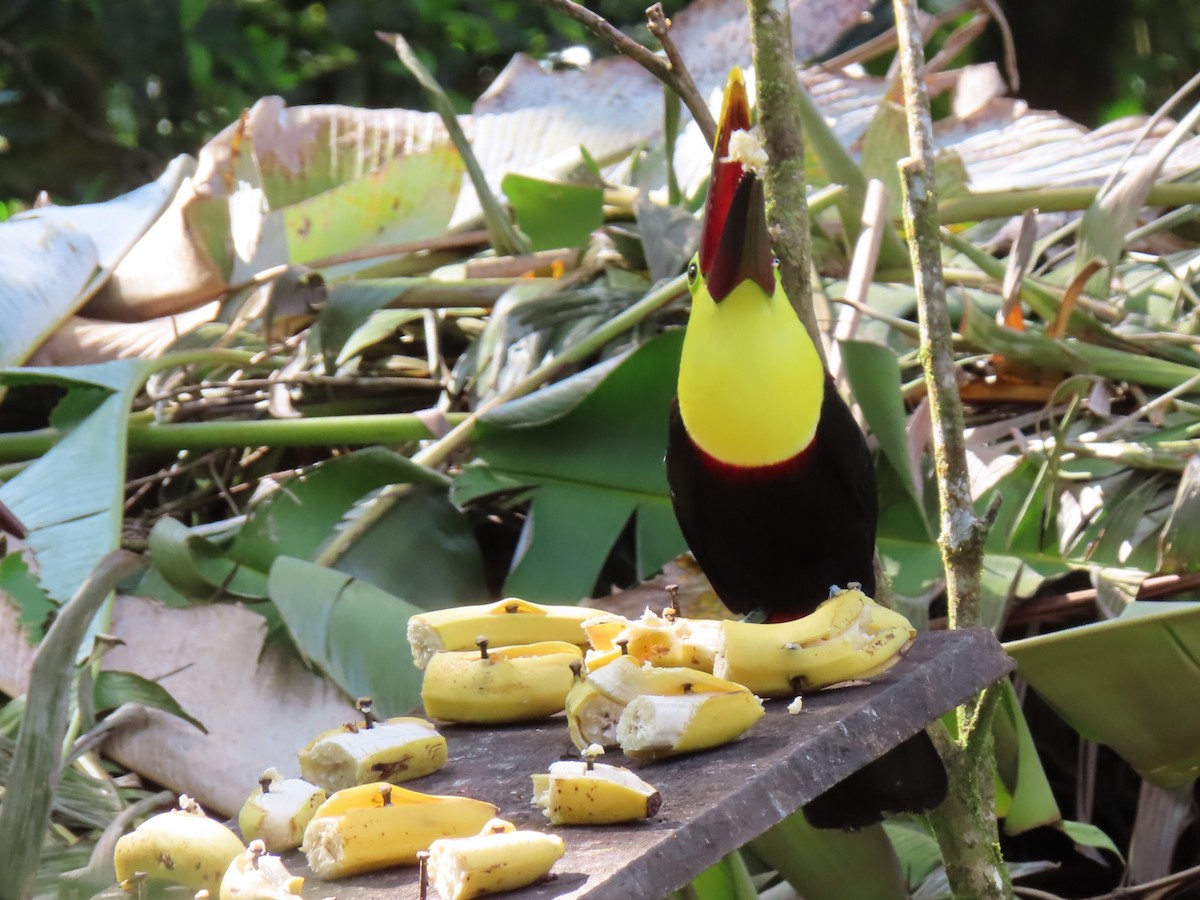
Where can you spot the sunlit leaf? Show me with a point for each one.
(554, 214)
(1132, 683)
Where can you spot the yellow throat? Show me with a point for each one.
(750, 381)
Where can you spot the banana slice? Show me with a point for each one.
(374, 826)
(704, 710)
(653, 726)
(394, 750)
(507, 623)
(499, 858)
(183, 846)
(278, 810)
(848, 637)
(507, 684)
(255, 875)
(576, 793)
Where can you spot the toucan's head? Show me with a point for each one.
(734, 245)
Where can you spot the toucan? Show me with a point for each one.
(771, 479)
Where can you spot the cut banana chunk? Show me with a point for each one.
(278, 811)
(394, 750)
(500, 858)
(572, 793)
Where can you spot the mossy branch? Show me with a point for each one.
(965, 824)
(779, 118)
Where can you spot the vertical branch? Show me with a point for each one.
(962, 532)
(965, 824)
(779, 103)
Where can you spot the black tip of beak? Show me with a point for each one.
(744, 252)
(734, 244)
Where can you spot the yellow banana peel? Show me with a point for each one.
(256, 875)
(507, 622)
(506, 684)
(278, 810)
(394, 750)
(848, 637)
(375, 826)
(499, 858)
(183, 847)
(574, 793)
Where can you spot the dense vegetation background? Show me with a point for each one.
(95, 95)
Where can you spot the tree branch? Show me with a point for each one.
(672, 73)
(779, 118)
(965, 823)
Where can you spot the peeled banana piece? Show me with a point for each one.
(255, 875)
(374, 826)
(506, 684)
(848, 637)
(666, 640)
(654, 711)
(183, 847)
(393, 750)
(574, 793)
(506, 623)
(654, 726)
(499, 858)
(278, 811)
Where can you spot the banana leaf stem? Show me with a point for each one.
(981, 205)
(147, 437)
(965, 823)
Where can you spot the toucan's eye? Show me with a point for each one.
(693, 271)
(775, 261)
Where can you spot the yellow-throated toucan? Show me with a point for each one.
(771, 478)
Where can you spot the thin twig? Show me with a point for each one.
(684, 85)
(862, 271)
(1182, 877)
(648, 59)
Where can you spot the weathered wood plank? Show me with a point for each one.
(713, 802)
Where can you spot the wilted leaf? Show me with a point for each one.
(198, 568)
(23, 591)
(1180, 543)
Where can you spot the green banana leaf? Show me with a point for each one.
(71, 499)
(352, 631)
(589, 450)
(1132, 683)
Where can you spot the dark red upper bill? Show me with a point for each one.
(734, 244)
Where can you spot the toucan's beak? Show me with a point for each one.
(734, 244)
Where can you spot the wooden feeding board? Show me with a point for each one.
(713, 802)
